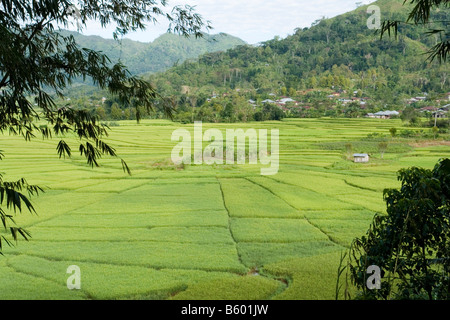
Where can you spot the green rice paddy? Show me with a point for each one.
(199, 231)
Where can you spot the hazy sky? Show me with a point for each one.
(251, 20)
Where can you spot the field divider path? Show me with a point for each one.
(304, 217)
(359, 187)
(283, 283)
(229, 223)
(120, 264)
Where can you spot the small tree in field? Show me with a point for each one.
(382, 147)
(348, 150)
(393, 132)
(411, 243)
(435, 131)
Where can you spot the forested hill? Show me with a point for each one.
(338, 54)
(159, 55)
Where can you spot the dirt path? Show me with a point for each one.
(429, 143)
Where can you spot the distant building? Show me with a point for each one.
(429, 108)
(411, 100)
(285, 100)
(439, 114)
(360, 158)
(383, 114)
(345, 101)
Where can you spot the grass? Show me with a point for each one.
(260, 254)
(198, 231)
(206, 218)
(186, 256)
(246, 199)
(234, 288)
(274, 230)
(306, 275)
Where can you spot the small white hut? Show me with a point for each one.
(361, 157)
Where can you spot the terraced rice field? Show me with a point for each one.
(199, 231)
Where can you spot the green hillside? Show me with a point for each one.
(340, 54)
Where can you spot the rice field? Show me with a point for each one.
(199, 231)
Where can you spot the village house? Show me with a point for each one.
(427, 109)
(383, 114)
(439, 114)
(284, 101)
(334, 95)
(345, 101)
(411, 100)
(442, 112)
(360, 158)
(416, 99)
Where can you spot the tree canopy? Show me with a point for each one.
(420, 14)
(410, 244)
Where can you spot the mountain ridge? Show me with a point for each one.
(159, 54)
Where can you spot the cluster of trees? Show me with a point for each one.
(244, 106)
(229, 108)
(247, 106)
(405, 253)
